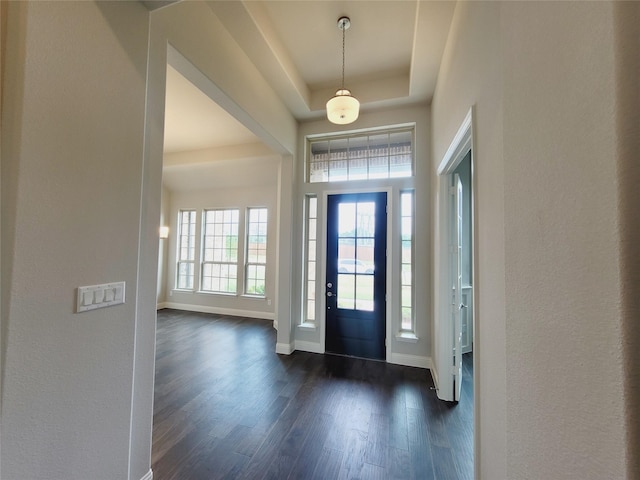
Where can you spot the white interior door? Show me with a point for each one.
(456, 275)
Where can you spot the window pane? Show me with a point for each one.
(313, 207)
(220, 250)
(186, 248)
(406, 279)
(347, 220)
(366, 219)
(361, 157)
(346, 291)
(364, 292)
(256, 246)
(311, 211)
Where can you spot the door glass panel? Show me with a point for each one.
(346, 291)
(356, 230)
(364, 292)
(346, 255)
(347, 220)
(366, 215)
(364, 256)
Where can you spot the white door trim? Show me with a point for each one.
(460, 145)
(462, 142)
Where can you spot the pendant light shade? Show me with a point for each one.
(344, 108)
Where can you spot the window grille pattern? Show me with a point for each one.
(311, 250)
(406, 262)
(186, 249)
(220, 251)
(377, 155)
(256, 263)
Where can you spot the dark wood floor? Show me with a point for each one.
(227, 406)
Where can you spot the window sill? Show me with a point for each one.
(408, 337)
(182, 290)
(307, 326)
(257, 297)
(224, 294)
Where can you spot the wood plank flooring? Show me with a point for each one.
(226, 406)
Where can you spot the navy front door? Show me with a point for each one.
(356, 274)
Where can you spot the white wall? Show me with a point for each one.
(548, 358)
(163, 249)
(73, 129)
(627, 32)
(562, 259)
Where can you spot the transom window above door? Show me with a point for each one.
(363, 156)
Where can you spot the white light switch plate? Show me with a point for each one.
(99, 296)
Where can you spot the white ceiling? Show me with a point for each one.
(393, 53)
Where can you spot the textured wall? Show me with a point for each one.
(565, 401)
(72, 163)
(627, 54)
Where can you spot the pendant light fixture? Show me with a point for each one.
(343, 108)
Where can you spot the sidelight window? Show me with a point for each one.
(406, 260)
(311, 244)
(186, 249)
(256, 256)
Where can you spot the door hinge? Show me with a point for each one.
(452, 190)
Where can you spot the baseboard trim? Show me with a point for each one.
(221, 311)
(434, 376)
(311, 347)
(411, 360)
(148, 476)
(161, 305)
(284, 348)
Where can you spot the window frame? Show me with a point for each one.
(191, 239)
(310, 284)
(364, 154)
(247, 262)
(203, 253)
(412, 215)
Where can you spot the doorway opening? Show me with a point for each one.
(457, 323)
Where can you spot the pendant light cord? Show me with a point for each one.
(343, 29)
